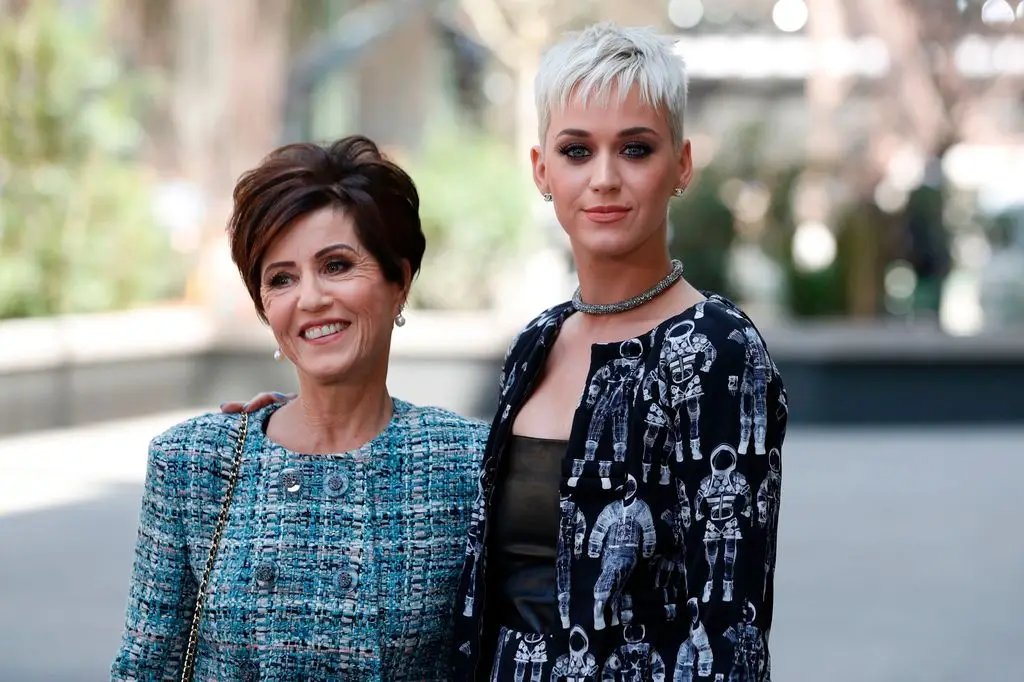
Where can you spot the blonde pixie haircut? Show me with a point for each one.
(590, 63)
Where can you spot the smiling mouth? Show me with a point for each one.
(324, 331)
(608, 214)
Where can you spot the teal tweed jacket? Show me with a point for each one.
(331, 567)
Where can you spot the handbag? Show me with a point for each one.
(189, 665)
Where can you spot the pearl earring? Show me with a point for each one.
(678, 191)
(400, 318)
(278, 355)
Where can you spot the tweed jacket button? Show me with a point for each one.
(345, 581)
(265, 574)
(249, 672)
(336, 485)
(291, 482)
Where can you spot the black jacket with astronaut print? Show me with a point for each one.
(669, 500)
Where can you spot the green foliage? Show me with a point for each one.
(808, 294)
(702, 232)
(816, 294)
(76, 230)
(473, 198)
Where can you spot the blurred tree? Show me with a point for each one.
(76, 232)
(517, 33)
(471, 205)
(926, 244)
(222, 68)
(923, 103)
(1002, 286)
(702, 231)
(817, 293)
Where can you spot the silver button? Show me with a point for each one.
(249, 672)
(265, 574)
(291, 481)
(345, 581)
(336, 485)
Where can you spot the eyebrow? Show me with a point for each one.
(627, 132)
(340, 246)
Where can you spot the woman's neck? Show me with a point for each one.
(611, 280)
(606, 280)
(333, 418)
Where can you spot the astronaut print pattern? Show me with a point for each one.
(572, 531)
(723, 497)
(753, 389)
(623, 531)
(579, 665)
(609, 395)
(769, 495)
(669, 510)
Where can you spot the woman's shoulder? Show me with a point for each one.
(535, 328)
(194, 451)
(441, 424)
(716, 319)
(198, 448)
(200, 434)
(550, 316)
(717, 328)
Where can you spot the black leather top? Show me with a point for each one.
(524, 537)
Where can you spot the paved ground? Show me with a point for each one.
(901, 556)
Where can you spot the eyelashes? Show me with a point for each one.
(576, 151)
(337, 266)
(279, 280)
(573, 150)
(331, 268)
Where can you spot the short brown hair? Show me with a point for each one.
(298, 179)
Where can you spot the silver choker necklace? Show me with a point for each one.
(630, 303)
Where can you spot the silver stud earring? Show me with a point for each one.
(547, 196)
(400, 318)
(678, 191)
(278, 355)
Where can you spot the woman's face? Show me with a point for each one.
(611, 171)
(326, 299)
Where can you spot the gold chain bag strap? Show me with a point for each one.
(189, 667)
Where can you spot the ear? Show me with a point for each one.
(685, 165)
(540, 170)
(407, 278)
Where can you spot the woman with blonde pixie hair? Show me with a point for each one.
(626, 521)
(625, 524)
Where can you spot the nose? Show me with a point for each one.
(311, 295)
(605, 176)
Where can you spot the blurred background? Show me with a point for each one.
(860, 191)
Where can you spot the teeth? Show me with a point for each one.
(323, 330)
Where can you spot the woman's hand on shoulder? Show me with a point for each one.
(260, 400)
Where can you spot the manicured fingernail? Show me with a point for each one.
(279, 396)
(222, 405)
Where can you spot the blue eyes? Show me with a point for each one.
(637, 150)
(576, 151)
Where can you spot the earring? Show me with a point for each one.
(278, 355)
(547, 196)
(678, 191)
(400, 318)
